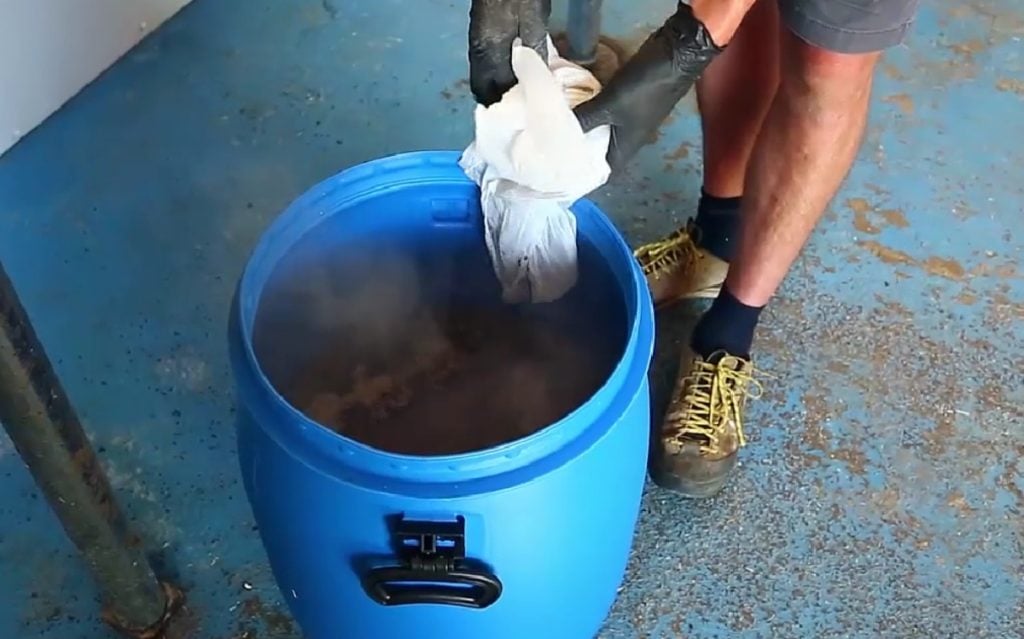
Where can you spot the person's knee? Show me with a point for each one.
(809, 69)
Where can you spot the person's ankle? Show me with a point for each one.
(717, 223)
(727, 326)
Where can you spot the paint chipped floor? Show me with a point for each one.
(882, 493)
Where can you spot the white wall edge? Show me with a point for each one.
(51, 49)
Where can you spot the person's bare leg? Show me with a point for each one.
(734, 95)
(803, 152)
(805, 149)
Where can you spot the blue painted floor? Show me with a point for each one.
(882, 493)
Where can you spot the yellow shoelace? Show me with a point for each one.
(658, 257)
(712, 395)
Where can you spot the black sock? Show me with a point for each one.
(718, 219)
(727, 326)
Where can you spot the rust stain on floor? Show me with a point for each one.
(968, 49)
(1010, 85)
(862, 224)
(886, 254)
(1003, 308)
(893, 72)
(860, 208)
(943, 267)
(867, 218)
(1006, 270)
(276, 621)
(903, 101)
(681, 153)
(852, 456)
(894, 217)
(819, 412)
(948, 268)
(967, 298)
(958, 501)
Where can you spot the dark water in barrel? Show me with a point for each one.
(467, 379)
(392, 358)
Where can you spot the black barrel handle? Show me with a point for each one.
(398, 586)
(432, 568)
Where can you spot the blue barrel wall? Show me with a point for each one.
(525, 540)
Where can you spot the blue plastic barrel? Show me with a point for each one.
(527, 540)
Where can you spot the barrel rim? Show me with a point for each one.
(322, 448)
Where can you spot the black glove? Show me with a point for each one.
(644, 91)
(493, 25)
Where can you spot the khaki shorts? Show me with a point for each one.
(849, 26)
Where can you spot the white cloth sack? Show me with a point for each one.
(532, 160)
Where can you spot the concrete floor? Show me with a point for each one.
(883, 490)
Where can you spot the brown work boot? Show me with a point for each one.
(677, 269)
(703, 429)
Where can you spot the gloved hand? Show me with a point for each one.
(644, 91)
(493, 25)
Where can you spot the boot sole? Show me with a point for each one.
(704, 294)
(688, 488)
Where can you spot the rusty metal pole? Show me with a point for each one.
(583, 43)
(583, 31)
(47, 434)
